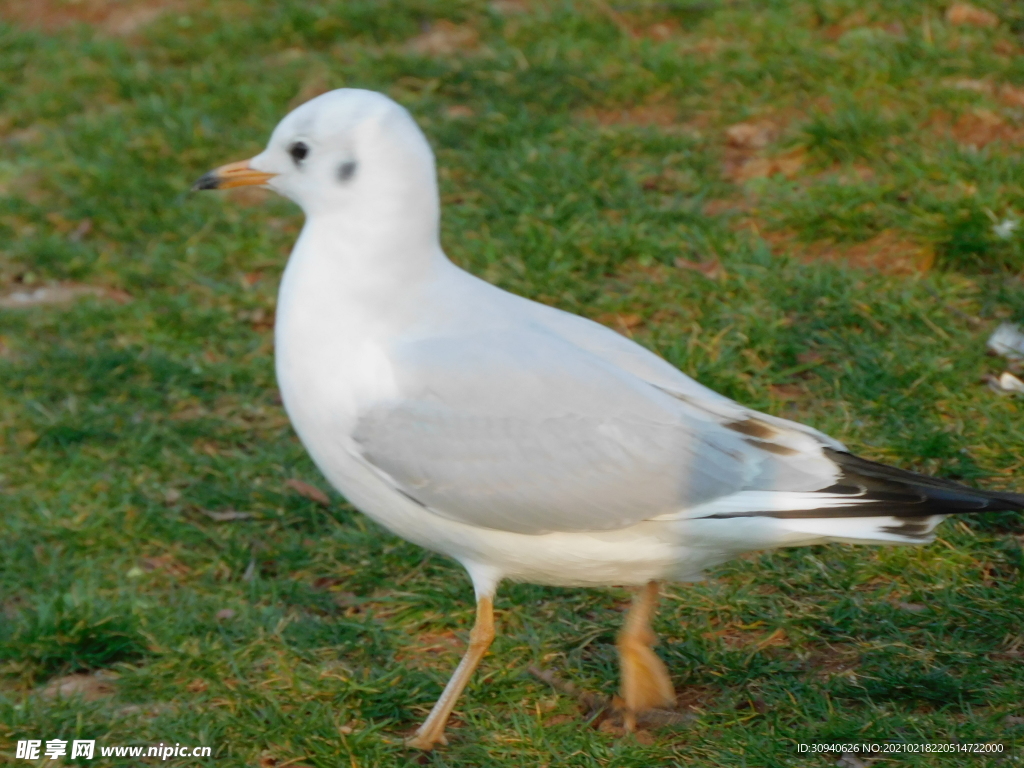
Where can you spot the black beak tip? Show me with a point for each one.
(206, 181)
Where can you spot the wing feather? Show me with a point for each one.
(520, 430)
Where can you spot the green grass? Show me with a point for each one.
(308, 634)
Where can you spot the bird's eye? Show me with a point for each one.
(347, 170)
(298, 151)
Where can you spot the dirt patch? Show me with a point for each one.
(788, 164)
(751, 136)
(432, 650)
(1011, 95)
(788, 393)
(726, 206)
(747, 155)
(640, 26)
(640, 29)
(660, 32)
(980, 127)
(1007, 94)
(889, 252)
(59, 294)
(711, 268)
(659, 115)
(751, 637)
(116, 17)
(445, 38)
(166, 563)
(833, 661)
(708, 47)
(1006, 47)
(459, 112)
(697, 698)
(91, 687)
(858, 23)
(658, 111)
(965, 14)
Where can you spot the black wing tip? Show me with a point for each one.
(879, 490)
(894, 487)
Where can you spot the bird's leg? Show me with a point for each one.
(645, 681)
(432, 730)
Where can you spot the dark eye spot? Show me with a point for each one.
(298, 151)
(347, 170)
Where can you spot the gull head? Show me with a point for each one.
(347, 152)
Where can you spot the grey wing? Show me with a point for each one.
(640, 361)
(519, 430)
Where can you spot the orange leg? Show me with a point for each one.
(645, 681)
(432, 730)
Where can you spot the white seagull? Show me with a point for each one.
(525, 442)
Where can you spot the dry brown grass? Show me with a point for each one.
(889, 252)
(89, 686)
(965, 14)
(116, 17)
(753, 637)
(445, 38)
(659, 115)
(859, 20)
(979, 127)
(747, 153)
(432, 650)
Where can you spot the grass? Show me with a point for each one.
(583, 149)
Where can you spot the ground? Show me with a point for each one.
(809, 206)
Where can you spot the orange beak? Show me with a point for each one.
(238, 174)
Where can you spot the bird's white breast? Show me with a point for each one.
(330, 354)
(333, 340)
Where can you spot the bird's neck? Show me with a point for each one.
(362, 264)
(379, 245)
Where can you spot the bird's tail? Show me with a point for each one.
(870, 503)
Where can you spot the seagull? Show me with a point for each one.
(523, 441)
